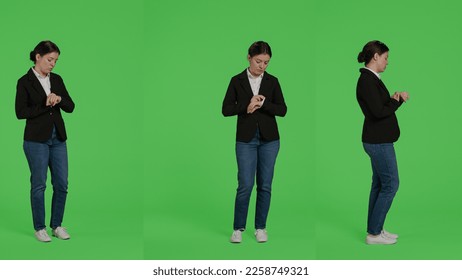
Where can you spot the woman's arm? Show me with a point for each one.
(66, 103)
(23, 107)
(276, 106)
(231, 105)
(368, 92)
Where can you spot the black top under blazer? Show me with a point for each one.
(237, 99)
(31, 105)
(380, 122)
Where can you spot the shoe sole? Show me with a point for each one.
(61, 238)
(261, 240)
(44, 241)
(379, 243)
(235, 241)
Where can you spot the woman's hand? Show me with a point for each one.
(404, 96)
(401, 95)
(53, 99)
(255, 103)
(258, 98)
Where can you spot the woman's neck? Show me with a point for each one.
(38, 70)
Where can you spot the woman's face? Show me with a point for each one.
(381, 61)
(258, 63)
(45, 64)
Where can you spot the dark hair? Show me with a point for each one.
(370, 49)
(259, 47)
(43, 48)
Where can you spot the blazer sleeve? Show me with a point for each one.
(24, 107)
(66, 104)
(371, 96)
(276, 106)
(231, 104)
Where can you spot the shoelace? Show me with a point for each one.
(60, 231)
(62, 228)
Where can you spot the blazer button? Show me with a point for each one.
(51, 113)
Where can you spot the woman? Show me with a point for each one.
(40, 97)
(380, 131)
(256, 98)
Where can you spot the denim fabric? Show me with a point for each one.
(385, 183)
(255, 158)
(41, 156)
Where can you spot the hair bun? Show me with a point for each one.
(361, 57)
(32, 56)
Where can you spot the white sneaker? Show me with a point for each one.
(236, 237)
(61, 233)
(261, 235)
(379, 239)
(390, 235)
(42, 235)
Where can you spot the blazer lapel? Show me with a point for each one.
(52, 82)
(264, 86)
(35, 83)
(382, 85)
(245, 84)
(367, 72)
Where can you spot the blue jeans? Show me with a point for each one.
(40, 156)
(385, 183)
(256, 157)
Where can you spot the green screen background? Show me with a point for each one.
(152, 164)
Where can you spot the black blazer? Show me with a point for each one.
(237, 99)
(380, 122)
(31, 105)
